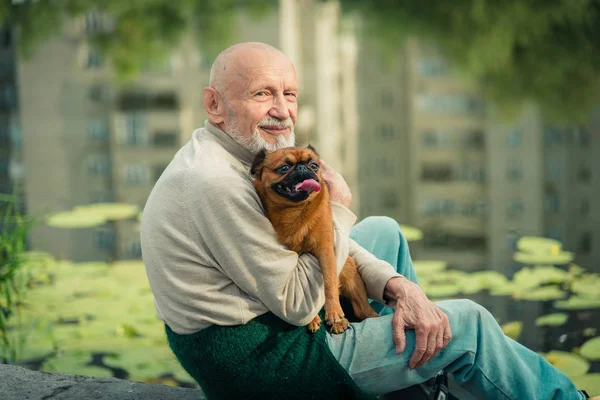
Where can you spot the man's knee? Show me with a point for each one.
(382, 225)
(468, 310)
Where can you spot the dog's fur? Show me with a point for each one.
(303, 221)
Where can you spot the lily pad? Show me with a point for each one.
(587, 285)
(539, 245)
(577, 303)
(591, 349)
(563, 257)
(512, 329)
(557, 319)
(74, 220)
(109, 211)
(441, 290)
(589, 382)
(545, 293)
(477, 281)
(569, 364)
(411, 233)
(428, 267)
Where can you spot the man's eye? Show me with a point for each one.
(314, 166)
(283, 169)
(261, 94)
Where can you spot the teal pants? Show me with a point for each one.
(480, 357)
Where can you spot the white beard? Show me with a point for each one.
(256, 142)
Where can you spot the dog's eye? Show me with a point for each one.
(314, 166)
(283, 169)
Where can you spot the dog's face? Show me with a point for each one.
(291, 174)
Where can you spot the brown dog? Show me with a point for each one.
(296, 201)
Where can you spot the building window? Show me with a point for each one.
(101, 197)
(136, 131)
(440, 172)
(585, 243)
(584, 174)
(552, 203)
(474, 140)
(388, 199)
(387, 98)
(165, 139)
(93, 22)
(583, 137)
(553, 135)
(135, 249)
(98, 130)
(158, 170)
(584, 207)
(99, 165)
(552, 170)
(93, 59)
(449, 103)
(514, 172)
(514, 208)
(384, 167)
(137, 174)
(555, 233)
(471, 173)
(96, 93)
(104, 239)
(432, 66)
(386, 131)
(514, 138)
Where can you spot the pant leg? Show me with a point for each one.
(382, 237)
(480, 356)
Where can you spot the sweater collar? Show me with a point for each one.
(230, 144)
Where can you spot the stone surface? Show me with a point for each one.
(17, 383)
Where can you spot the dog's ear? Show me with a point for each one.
(257, 166)
(313, 149)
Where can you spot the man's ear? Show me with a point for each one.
(313, 149)
(213, 105)
(257, 166)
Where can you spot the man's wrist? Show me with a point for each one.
(394, 290)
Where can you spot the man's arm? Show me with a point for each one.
(227, 216)
(375, 273)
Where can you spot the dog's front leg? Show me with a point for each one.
(334, 315)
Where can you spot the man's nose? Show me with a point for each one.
(279, 109)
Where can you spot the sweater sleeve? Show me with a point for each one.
(226, 216)
(375, 272)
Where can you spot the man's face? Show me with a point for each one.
(261, 103)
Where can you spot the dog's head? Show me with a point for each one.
(291, 174)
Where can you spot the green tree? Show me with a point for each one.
(141, 33)
(548, 51)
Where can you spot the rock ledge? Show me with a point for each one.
(17, 383)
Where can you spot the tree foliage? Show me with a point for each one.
(548, 51)
(142, 33)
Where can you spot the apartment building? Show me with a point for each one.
(434, 155)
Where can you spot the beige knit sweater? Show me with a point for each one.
(211, 255)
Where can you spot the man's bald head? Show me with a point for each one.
(252, 96)
(237, 59)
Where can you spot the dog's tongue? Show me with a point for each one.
(309, 185)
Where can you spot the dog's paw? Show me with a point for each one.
(314, 325)
(339, 326)
(336, 321)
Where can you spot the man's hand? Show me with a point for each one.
(338, 188)
(414, 310)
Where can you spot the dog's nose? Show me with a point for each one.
(301, 169)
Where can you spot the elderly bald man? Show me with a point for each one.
(235, 301)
